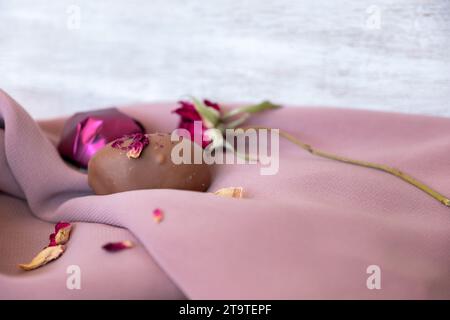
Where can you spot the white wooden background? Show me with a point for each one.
(58, 57)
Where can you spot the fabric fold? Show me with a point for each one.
(309, 231)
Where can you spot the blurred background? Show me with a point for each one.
(59, 57)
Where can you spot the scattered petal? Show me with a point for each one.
(231, 192)
(61, 234)
(55, 248)
(44, 257)
(158, 215)
(118, 246)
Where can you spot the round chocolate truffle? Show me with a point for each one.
(119, 167)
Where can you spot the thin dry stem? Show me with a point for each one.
(400, 174)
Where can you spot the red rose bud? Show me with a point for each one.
(189, 112)
(87, 132)
(211, 115)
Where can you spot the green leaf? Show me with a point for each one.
(238, 122)
(210, 116)
(265, 105)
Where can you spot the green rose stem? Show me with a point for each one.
(265, 105)
(405, 177)
(212, 118)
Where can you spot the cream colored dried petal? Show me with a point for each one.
(128, 243)
(63, 235)
(134, 153)
(231, 192)
(44, 257)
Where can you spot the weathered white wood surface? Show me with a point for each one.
(58, 57)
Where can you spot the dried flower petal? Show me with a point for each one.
(118, 246)
(117, 144)
(44, 257)
(61, 234)
(55, 248)
(231, 192)
(134, 149)
(158, 215)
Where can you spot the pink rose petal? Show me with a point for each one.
(134, 149)
(55, 248)
(61, 234)
(158, 215)
(118, 246)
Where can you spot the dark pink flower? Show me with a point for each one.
(189, 115)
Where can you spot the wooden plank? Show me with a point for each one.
(310, 52)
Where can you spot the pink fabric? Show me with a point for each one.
(308, 232)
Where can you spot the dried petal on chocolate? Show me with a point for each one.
(118, 246)
(135, 150)
(136, 143)
(61, 234)
(158, 215)
(119, 143)
(231, 192)
(44, 257)
(87, 132)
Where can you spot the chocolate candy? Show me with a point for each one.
(121, 166)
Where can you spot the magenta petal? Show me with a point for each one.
(134, 147)
(58, 227)
(87, 132)
(158, 215)
(52, 238)
(118, 246)
(61, 225)
(211, 104)
(187, 111)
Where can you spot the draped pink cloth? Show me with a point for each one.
(308, 232)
